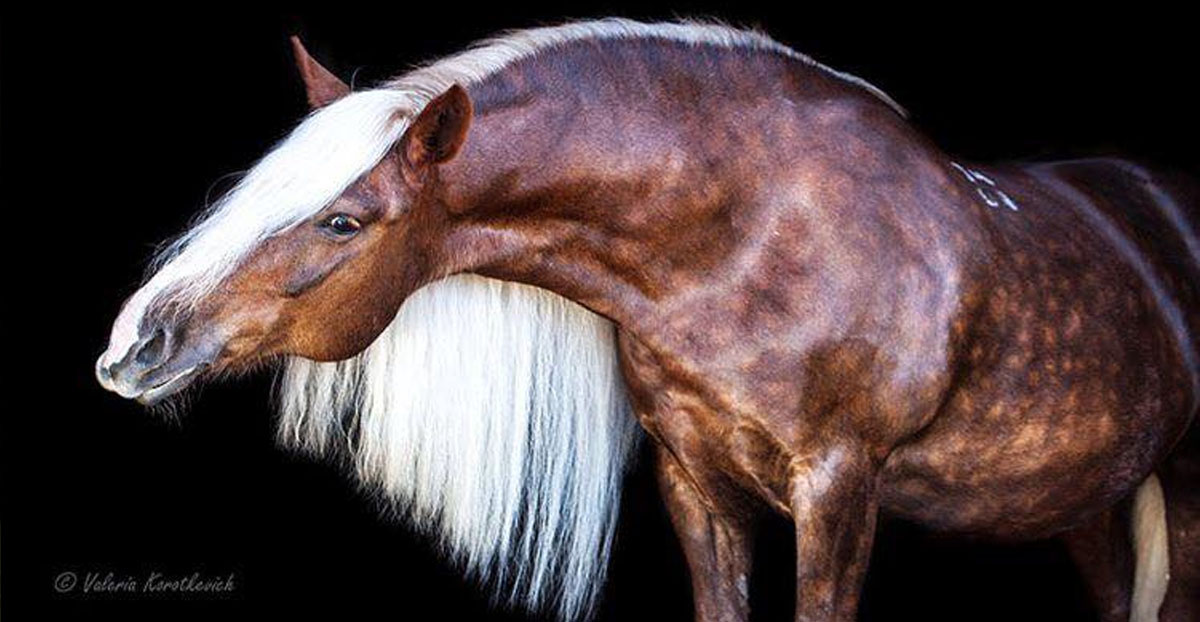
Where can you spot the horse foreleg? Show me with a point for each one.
(834, 507)
(1103, 553)
(718, 548)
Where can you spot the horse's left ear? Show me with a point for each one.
(437, 134)
(320, 85)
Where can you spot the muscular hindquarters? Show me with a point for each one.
(1069, 385)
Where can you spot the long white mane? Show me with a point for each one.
(491, 413)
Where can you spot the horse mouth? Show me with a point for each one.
(169, 387)
(153, 393)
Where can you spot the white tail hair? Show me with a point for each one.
(1150, 547)
(494, 414)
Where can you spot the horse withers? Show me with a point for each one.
(485, 274)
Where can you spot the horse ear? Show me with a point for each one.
(321, 86)
(437, 134)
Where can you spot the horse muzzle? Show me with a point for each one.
(155, 366)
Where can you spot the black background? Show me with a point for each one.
(116, 125)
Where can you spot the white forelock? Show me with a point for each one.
(307, 171)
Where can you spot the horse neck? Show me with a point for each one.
(619, 205)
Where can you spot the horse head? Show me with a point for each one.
(265, 275)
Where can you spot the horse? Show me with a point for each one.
(489, 279)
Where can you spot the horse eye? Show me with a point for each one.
(342, 224)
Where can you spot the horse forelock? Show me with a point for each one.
(305, 172)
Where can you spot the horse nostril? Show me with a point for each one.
(152, 351)
(103, 372)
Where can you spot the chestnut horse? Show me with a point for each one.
(482, 273)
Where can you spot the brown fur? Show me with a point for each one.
(817, 314)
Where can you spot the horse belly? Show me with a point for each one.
(1019, 465)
